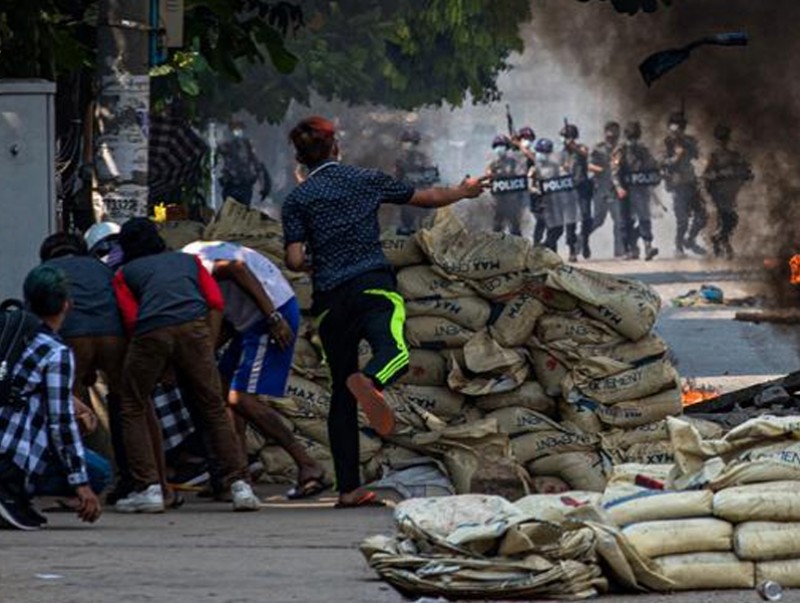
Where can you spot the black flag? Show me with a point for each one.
(656, 65)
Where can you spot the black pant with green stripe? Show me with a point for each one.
(366, 307)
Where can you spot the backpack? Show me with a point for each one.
(18, 327)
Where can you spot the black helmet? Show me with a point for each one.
(612, 126)
(527, 132)
(722, 132)
(410, 136)
(633, 130)
(570, 131)
(501, 141)
(544, 145)
(678, 118)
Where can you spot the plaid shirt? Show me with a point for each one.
(176, 422)
(45, 429)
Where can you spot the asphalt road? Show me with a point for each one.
(305, 553)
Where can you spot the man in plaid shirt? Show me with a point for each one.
(40, 444)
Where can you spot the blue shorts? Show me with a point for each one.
(254, 364)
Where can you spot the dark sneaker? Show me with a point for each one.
(18, 513)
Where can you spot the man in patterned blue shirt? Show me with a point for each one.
(41, 452)
(331, 229)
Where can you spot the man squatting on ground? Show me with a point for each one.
(171, 307)
(41, 452)
(331, 230)
(263, 312)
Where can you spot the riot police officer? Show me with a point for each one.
(241, 168)
(414, 167)
(727, 171)
(556, 187)
(637, 173)
(510, 200)
(605, 199)
(524, 141)
(575, 161)
(681, 150)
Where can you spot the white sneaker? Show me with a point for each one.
(150, 500)
(243, 497)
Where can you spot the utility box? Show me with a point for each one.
(27, 177)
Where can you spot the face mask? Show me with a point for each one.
(564, 140)
(674, 127)
(527, 143)
(237, 133)
(500, 152)
(542, 156)
(611, 138)
(407, 146)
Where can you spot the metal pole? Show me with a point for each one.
(123, 109)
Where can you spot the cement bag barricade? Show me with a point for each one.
(317, 430)
(281, 469)
(516, 420)
(631, 504)
(657, 476)
(502, 287)
(776, 501)
(482, 354)
(529, 395)
(556, 508)
(514, 325)
(589, 378)
(179, 233)
(422, 282)
(439, 401)
(410, 417)
(650, 453)
(632, 353)
(470, 312)
(303, 288)
(305, 355)
(435, 333)
(535, 445)
(767, 540)
(579, 416)
(479, 255)
(673, 537)
(576, 329)
(555, 300)
(235, 220)
(706, 571)
(425, 367)
(307, 399)
(495, 382)
(627, 306)
(657, 431)
(549, 370)
(401, 250)
(634, 413)
(580, 470)
(785, 572)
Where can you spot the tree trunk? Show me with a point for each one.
(123, 108)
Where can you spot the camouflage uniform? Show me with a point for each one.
(605, 198)
(412, 168)
(681, 181)
(726, 173)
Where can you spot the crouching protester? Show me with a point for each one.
(171, 307)
(41, 452)
(261, 307)
(331, 230)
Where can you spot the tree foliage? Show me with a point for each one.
(404, 54)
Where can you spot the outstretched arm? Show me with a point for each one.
(443, 196)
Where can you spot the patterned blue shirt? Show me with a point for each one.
(335, 212)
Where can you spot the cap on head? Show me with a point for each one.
(570, 131)
(633, 130)
(543, 145)
(501, 141)
(313, 139)
(527, 133)
(722, 132)
(411, 135)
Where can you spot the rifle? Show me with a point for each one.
(510, 122)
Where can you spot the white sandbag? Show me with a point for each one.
(425, 367)
(657, 476)
(639, 382)
(634, 413)
(767, 540)
(579, 417)
(673, 537)
(535, 445)
(409, 417)
(555, 508)
(401, 250)
(435, 332)
(421, 282)
(629, 307)
(699, 571)
(785, 572)
(514, 325)
(577, 329)
(650, 453)
(529, 395)
(549, 371)
(482, 354)
(628, 504)
(656, 431)
(517, 420)
(776, 501)
(440, 401)
(581, 470)
(470, 312)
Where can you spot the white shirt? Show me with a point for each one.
(240, 309)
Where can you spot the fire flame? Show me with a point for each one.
(692, 393)
(794, 266)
